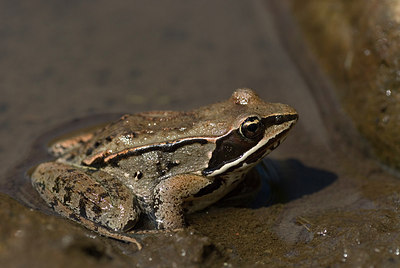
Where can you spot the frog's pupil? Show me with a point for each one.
(252, 127)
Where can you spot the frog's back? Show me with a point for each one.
(141, 129)
(160, 127)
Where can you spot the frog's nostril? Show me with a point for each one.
(279, 119)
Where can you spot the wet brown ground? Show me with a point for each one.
(66, 60)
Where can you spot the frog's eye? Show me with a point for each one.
(252, 127)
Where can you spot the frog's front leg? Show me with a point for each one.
(93, 198)
(170, 195)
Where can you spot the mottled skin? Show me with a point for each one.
(160, 164)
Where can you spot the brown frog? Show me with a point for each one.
(160, 164)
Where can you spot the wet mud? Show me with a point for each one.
(324, 199)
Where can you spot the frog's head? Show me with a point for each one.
(256, 128)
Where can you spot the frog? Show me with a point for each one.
(160, 165)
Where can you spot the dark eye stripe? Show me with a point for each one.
(232, 146)
(228, 149)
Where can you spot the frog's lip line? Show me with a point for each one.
(260, 144)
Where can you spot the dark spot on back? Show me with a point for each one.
(67, 197)
(53, 203)
(96, 144)
(40, 186)
(138, 175)
(103, 195)
(160, 170)
(96, 209)
(56, 187)
(72, 216)
(170, 165)
(82, 208)
(89, 151)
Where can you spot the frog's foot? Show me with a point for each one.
(170, 197)
(93, 198)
